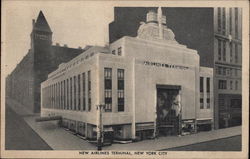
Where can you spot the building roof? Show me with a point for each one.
(41, 23)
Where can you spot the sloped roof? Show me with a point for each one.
(41, 23)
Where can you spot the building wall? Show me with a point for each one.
(41, 59)
(228, 62)
(206, 112)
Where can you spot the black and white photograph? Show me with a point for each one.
(112, 79)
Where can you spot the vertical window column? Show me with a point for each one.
(120, 89)
(219, 49)
(224, 21)
(70, 94)
(208, 93)
(74, 101)
(236, 53)
(67, 99)
(219, 19)
(89, 91)
(224, 51)
(83, 92)
(201, 93)
(79, 92)
(236, 22)
(108, 89)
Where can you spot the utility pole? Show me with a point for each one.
(99, 127)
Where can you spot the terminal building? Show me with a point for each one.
(150, 85)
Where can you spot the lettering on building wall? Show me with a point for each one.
(158, 64)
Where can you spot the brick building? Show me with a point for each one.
(23, 84)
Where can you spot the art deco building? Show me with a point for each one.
(23, 84)
(149, 84)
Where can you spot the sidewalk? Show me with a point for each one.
(60, 139)
(175, 141)
(56, 137)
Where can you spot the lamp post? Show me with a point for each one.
(99, 126)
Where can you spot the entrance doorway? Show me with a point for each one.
(168, 110)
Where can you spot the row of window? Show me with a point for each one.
(227, 71)
(233, 51)
(207, 84)
(76, 62)
(223, 84)
(69, 94)
(202, 96)
(119, 51)
(108, 89)
(222, 21)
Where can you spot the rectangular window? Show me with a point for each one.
(119, 51)
(113, 52)
(67, 94)
(236, 53)
(108, 89)
(61, 106)
(201, 84)
(221, 104)
(219, 19)
(74, 104)
(224, 51)
(223, 21)
(236, 85)
(231, 84)
(222, 84)
(56, 95)
(208, 85)
(236, 22)
(231, 52)
(201, 103)
(219, 49)
(120, 89)
(83, 92)
(89, 90)
(71, 94)
(230, 21)
(79, 91)
(208, 103)
(64, 94)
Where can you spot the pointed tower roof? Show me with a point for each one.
(41, 23)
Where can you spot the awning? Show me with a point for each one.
(108, 129)
(204, 121)
(144, 126)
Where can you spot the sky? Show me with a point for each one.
(76, 24)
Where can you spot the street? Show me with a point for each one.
(19, 135)
(225, 144)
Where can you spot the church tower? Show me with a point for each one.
(41, 47)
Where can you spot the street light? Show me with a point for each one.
(99, 126)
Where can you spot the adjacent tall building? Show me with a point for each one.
(23, 84)
(228, 66)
